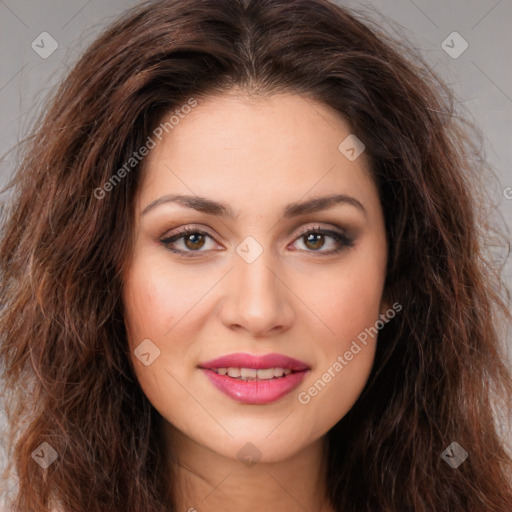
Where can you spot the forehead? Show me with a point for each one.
(259, 151)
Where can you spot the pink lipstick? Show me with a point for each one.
(255, 380)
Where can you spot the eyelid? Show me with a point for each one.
(318, 227)
(184, 230)
(198, 228)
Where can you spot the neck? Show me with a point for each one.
(206, 481)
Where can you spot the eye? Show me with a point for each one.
(193, 240)
(314, 239)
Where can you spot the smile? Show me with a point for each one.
(255, 380)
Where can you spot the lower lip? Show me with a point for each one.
(256, 392)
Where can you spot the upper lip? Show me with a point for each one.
(242, 360)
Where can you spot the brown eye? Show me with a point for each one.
(191, 240)
(194, 241)
(315, 239)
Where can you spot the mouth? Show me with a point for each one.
(255, 380)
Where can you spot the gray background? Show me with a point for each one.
(480, 76)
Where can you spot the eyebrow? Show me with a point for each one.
(219, 209)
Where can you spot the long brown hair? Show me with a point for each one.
(439, 371)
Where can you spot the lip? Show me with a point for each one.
(242, 360)
(256, 392)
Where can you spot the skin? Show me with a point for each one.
(256, 155)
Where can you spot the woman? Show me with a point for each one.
(224, 208)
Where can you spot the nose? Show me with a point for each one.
(257, 298)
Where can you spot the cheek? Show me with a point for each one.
(156, 298)
(347, 297)
(151, 310)
(348, 302)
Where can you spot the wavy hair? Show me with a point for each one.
(439, 374)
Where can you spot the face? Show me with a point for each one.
(267, 277)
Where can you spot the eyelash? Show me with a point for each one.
(341, 239)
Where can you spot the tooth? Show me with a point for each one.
(267, 373)
(278, 372)
(247, 373)
(253, 373)
(234, 372)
